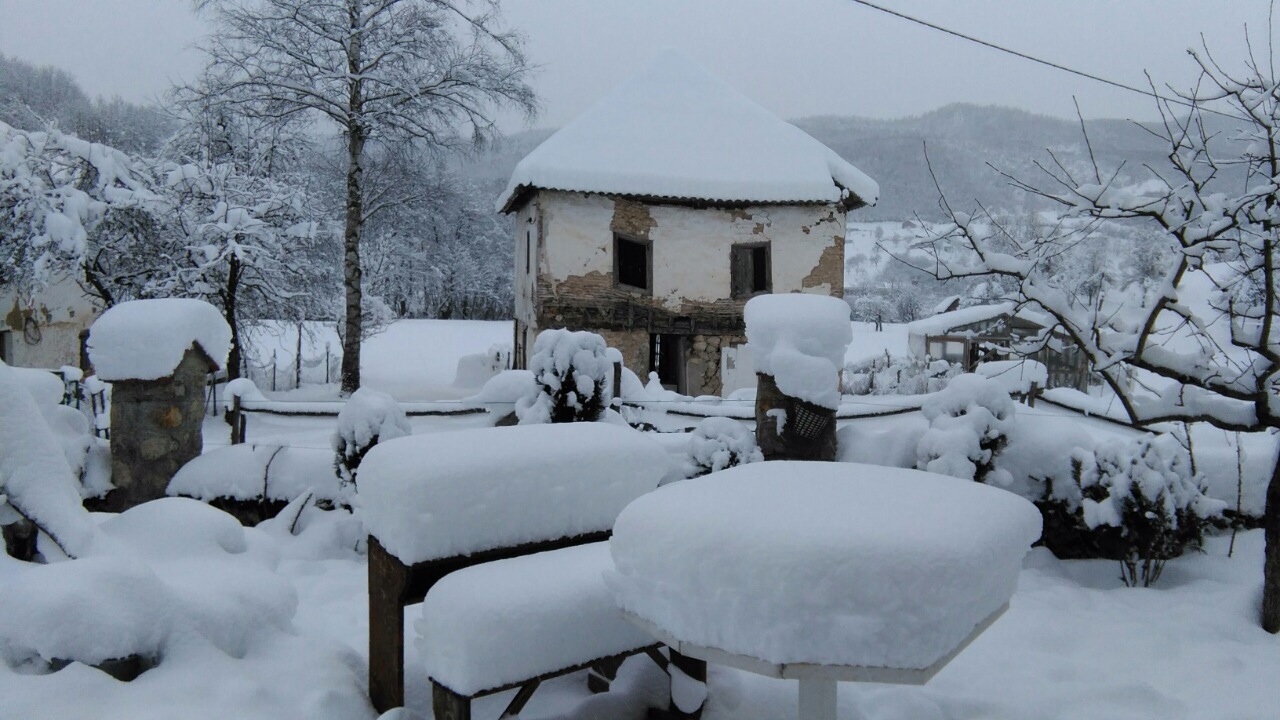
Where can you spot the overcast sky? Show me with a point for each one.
(796, 57)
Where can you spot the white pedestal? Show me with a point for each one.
(817, 699)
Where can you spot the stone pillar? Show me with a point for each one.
(155, 429)
(788, 428)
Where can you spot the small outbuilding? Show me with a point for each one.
(984, 333)
(157, 355)
(655, 215)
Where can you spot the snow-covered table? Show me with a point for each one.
(821, 572)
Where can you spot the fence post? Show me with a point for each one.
(326, 363)
(1031, 396)
(273, 371)
(237, 421)
(297, 360)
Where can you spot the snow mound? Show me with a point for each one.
(146, 339)
(35, 478)
(673, 130)
(1015, 376)
(250, 472)
(175, 529)
(494, 624)
(90, 610)
(826, 563)
(718, 443)
(800, 339)
(506, 388)
(435, 496)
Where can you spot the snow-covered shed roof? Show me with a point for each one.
(147, 339)
(943, 323)
(674, 131)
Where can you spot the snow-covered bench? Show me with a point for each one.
(514, 623)
(438, 504)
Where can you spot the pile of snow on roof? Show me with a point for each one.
(146, 339)
(675, 131)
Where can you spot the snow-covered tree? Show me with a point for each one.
(572, 372)
(383, 72)
(719, 443)
(969, 425)
(71, 207)
(1202, 344)
(367, 418)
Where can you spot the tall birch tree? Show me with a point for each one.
(382, 72)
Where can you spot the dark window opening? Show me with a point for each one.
(633, 261)
(667, 358)
(751, 273)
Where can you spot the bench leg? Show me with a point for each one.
(693, 669)
(602, 675)
(448, 705)
(387, 580)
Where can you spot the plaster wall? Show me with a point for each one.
(691, 246)
(59, 311)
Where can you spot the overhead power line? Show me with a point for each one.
(1034, 59)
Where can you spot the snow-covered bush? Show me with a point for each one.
(969, 425)
(1133, 501)
(572, 371)
(367, 418)
(718, 443)
(886, 375)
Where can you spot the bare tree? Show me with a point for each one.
(382, 72)
(1200, 345)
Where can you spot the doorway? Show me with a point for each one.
(667, 356)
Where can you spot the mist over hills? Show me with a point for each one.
(961, 140)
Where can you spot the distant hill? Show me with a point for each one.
(961, 140)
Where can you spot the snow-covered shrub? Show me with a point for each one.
(367, 418)
(572, 372)
(886, 375)
(718, 443)
(1133, 501)
(969, 425)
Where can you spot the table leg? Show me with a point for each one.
(817, 699)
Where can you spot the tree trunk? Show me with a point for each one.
(351, 272)
(229, 300)
(1271, 564)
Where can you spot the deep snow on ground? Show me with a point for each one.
(1074, 644)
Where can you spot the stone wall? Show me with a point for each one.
(155, 429)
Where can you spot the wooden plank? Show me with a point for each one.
(520, 700)
(449, 705)
(388, 578)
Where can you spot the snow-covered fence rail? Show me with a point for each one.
(489, 495)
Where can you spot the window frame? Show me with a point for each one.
(740, 288)
(645, 243)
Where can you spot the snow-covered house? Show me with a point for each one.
(45, 329)
(653, 217)
(983, 333)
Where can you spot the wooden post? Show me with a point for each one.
(696, 670)
(448, 705)
(237, 422)
(617, 381)
(388, 578)
(1031, 396)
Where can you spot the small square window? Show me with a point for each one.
(750, 270)
(632, 263)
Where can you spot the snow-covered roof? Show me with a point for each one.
(146, 339)
(675, 131)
